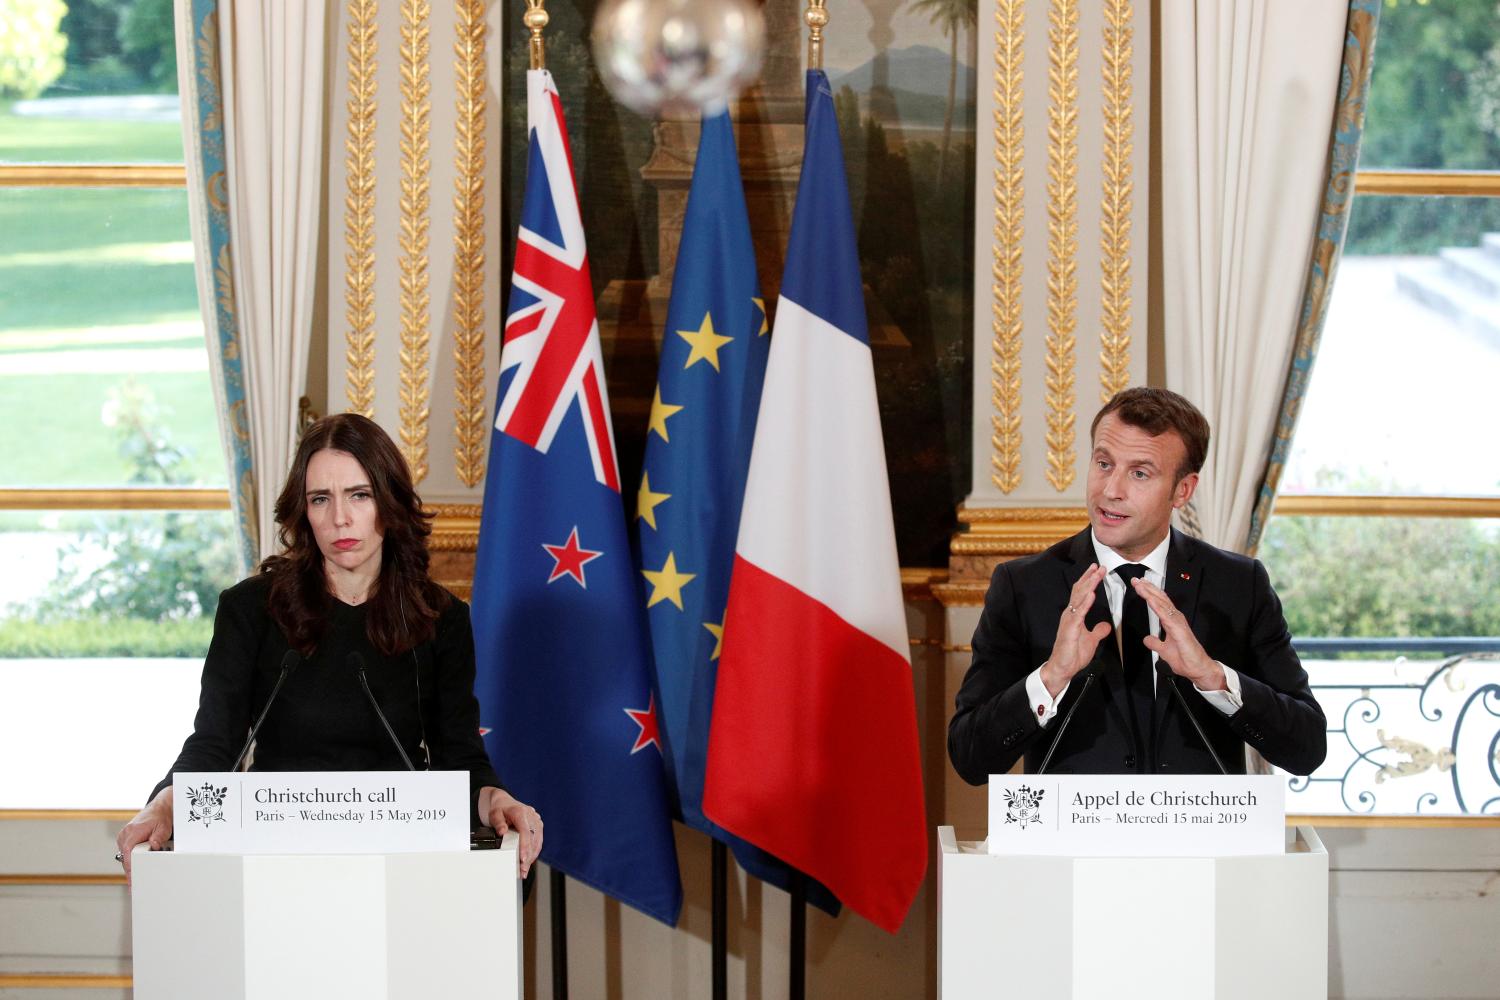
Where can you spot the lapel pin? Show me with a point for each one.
(1187, 576)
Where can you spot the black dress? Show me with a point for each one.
(321, 720)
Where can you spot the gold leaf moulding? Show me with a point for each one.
(469, 422)
(359, 208)
(1116, 201)
(1006, 265)
(1062, 238)
(415, 220)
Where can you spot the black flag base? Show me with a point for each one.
(719, 862)
(557, 897)
(797, 956)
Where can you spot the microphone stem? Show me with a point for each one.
(286, 668)
(383, 720)
(1166, 677)
(1063, 726)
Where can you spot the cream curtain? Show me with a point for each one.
(273, 57)
(1248, 94)
(252, 77)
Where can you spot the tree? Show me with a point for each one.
(1422, 110)
(1432, 89)
(1380, 576)
(31, 46)
(93, 30)
(1348, 577)
(951, 16)
(148, 43)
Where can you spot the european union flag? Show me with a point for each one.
(713, 361)
(562, 656)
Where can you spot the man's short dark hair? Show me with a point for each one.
(1157, 411)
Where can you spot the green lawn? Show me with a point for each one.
(167, 332)
(51, 433)
(84, 270)
(37, 139)
(93, 258)
(46, 520)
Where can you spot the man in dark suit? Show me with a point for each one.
(1110, 617)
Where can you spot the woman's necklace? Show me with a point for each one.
(358, 598)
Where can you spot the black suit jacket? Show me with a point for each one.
(321, 720)
(1228, 600)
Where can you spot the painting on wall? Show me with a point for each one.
(903, 77)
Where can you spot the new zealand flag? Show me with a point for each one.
(566, 700)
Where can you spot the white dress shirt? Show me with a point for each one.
(1155, 561)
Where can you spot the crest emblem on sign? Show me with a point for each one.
(206, 804)
(1023, 806)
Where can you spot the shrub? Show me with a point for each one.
(1377, 576)
(159, 569)
(31, 46)
(118, 637)
(132, 585)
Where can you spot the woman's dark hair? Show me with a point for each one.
(404, 605)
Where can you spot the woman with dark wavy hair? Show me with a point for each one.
(351, 584)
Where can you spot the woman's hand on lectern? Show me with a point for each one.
(499, 809)
(152, 825)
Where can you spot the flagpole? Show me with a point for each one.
(816, 17)
(720, 867)
(797, 957)
(557, 896)
(536, 19)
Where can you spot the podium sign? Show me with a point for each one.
(1102, 815)
(320, 812)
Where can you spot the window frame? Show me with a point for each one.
(104, 175)
(1412, 184)
(1402, 183)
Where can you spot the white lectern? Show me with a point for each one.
(288, 927)
(1232, 928)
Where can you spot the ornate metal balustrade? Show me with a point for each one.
(1405, 737)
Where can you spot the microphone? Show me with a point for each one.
(1062, 727)
(358, 663)
(288, 664)
(1165, 676)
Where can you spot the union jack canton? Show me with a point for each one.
(552, 334)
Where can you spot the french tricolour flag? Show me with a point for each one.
(813, 752)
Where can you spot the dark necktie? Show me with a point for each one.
(1136, 660)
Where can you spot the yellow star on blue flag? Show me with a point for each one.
(704, 342)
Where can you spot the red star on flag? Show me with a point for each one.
(646, 719)
(569, 558)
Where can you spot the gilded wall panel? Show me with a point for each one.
(360, 42)
(1007, 84)
(1061, 227)
(414, 229)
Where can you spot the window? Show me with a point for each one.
(114, 523)
(1385, 543)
